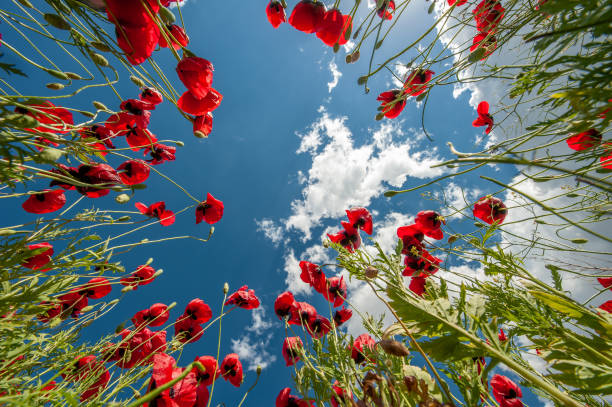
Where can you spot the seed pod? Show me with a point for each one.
(348, 59)
(453, 238)
(100, 46)
(371, 272)
(55, 86)
(393, 347)
(379, 116)
(74, 76)
(336, 47)
(137, 81)
(361, 80)
(355, 56)
(98, 59)
(57, 74)
(56, 21)
(200, 134)
(99, 105)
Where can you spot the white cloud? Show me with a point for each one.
(270, 230)
(336, 75)
(260, 324)
(292, 269)
(253, 353)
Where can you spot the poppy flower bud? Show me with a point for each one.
(371, 272)
(122, 198)
(137, 81)
(98, 59)
(74, 76)
(56, 21)
(26, 3)
(166, 15)
(99, 105)
(55, 86)
(394, 348)
(225, 288)
(100, 46)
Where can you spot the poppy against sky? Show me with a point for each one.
(294, 144)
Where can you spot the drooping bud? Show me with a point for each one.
(371, 272)
(393, 347)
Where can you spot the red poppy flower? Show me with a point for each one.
(290, 350)
(137, 106)
(133, 172)
(335, 28)
(422, 265)
(137, 41)
(606, 306)
(319, 326)
(156, 315)
(142, 276)
(307, 16)
(391, 106)
(360, 218)
(302, 314)
(188, 103)
(484, 40)
(138, 138)
(121, 123)
(606, 161)
(585, 140)
(606, 282)
(203, 124)
(386, 9)
(416, 83)
(243, 298)
(429, 221)
(177, 36)
(313, 275)
(70, 172)
(340, 397)
(131, 11)
(506, 392)
(411, 236)
(187, 330)
(151, 95)
(502, 336)
(83, 369)
(484, 118)
(99, 132)
(202, 396)
(283, 304)
(417, 285)
(53, 311)
(457, 2)
(360, 344)
(197, 75)
(210, 210)
(182, 394)
(336, 291)
(211, 374)
(99, 174)
(490, 209)
(488, 14)
(348, 238)
(284, 399)
(198, 311)
(157, 210)
(54, 119)
(342, 315)
(45, 201)
(40, 260)
(97, 287)
(231, 369)
(136, 347)
(160, 153)
(276, 13)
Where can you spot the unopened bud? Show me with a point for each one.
(355, 56)
(99, 105)
(26, 3)
(453, 238)
(56, 21)
(87, 308)
(124, 218)
(225, 288)
(166, 15)
(122, 198)
(200, 134)
(74, 76)
(393, 347)
(179, 143)
(411, 384)
(100, 46)
(336, 47)
(55, 86)
(258, 371)
(98, 59)
(7, 232)
(371, 272)
(159, 272)
(137, 81)
(379, 116)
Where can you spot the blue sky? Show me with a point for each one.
(284, 129)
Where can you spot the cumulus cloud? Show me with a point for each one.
(252, 352)
(336, 75)
(270, 229)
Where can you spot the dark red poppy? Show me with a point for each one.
(65, 171)
(606, 161)
(585, 140)
(231, 369)
(138, 138)
(151, 95)
(97, 287)
(137, 41)
(83, 369)
(502, 336)
(136, 106)
(307, 16)
(340, 397)
(188, 103)
(488, 14)
(336, 291)
(335, 28)
(243, 298)
(102, 175)
(160, 153)
(40, 260)
(411, 236)
(53, 310)
(136, 347)
(457, 2)
(157, 210)
(135, 12)
(197, 76)
(210, 210)
(285, 399)
(283, 304)
(392, 103)
(198, 311)
(360, 218)
(302, 314)
(291, 352)
(182, 394)
(606, 282)
(54, 119)
(416, 82)
(386, 9)
(142, 276)
(133, 172)
(506, 392)
(313, 275)
(417, 285)
(276, 13)
(484, 40)
(177, 36)
(211, 374)
(362, 345)
(422, 265)
(429, 221)
(156, 315)
(606, 306)
(484, 118)
(319, 326)
(187, 330)
(490, 209)
(119, 124)
(45, 201)
(348, 238)
(202, 396)
(98, 132)
(342, 315)
(203, 125)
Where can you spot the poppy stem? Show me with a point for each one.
(250, 388)
(212, 388)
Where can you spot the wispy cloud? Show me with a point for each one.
(270, 229)
(336, 75)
